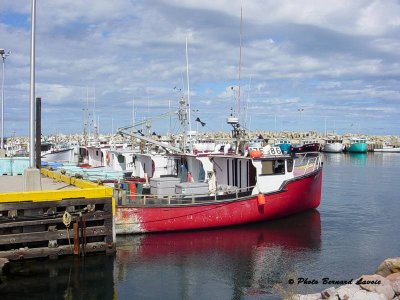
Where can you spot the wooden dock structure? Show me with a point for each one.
(53, 223)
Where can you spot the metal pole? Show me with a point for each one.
(38, 131)
(3, 57)
(2, 105)
(32, 91)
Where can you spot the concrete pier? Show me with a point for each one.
(68, 216)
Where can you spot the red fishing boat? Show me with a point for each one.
(216, 190)
(306, 146)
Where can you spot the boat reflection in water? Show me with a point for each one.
(220, 263)
(225, 263)
(358, 159)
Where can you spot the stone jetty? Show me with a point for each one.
(384, 284)
(3, 261)
(376, 141)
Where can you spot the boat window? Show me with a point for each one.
(202, 173)
(272, 167)
(289, 165)
(266, 167)
(45, 147)
(121, 159)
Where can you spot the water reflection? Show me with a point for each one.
(358, 159)
(231, 262)
(386, 159)
(354, 159)
(332, 158)
(66, 278)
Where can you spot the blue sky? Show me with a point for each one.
(336, 61)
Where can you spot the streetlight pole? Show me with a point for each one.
(32, 90)
(3, 57)
(32, 181)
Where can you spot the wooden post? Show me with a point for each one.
(76, 237)
(38, 122)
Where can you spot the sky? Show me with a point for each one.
(304, 65)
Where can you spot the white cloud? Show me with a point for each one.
(294, 53)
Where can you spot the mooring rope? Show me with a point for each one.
(67, 222)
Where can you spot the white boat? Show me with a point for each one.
(388, 148)
(16, 150)
(333, 146)
(52, 153)
(58, 155)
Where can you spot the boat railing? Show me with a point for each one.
(308, 162)
(176, 199)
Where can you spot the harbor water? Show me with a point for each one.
(354, 229)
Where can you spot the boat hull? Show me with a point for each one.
(65, 155)
(333, 148)
(388, 150)
(285, 148)
(294, 196)
(313, 147)
(285, 233)
(358, 148)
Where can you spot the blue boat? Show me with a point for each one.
(284, 144)
(358, 145)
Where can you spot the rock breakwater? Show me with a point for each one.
(384, 284)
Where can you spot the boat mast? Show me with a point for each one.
(169, 110)
(87, 116)
(95, 124)
(133, 119)
(133, 112)
(188, 97)
(182, 115)
(240, 58)
(237, 132)
(188, 84)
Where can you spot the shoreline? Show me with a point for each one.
(383, 284)
(375, 141)
(3, 262)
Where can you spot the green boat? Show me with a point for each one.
(358, 145)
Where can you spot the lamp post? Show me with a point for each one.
(4, 55)
(32, 157)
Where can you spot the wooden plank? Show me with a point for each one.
(7, 239)
(92, 216)
(27, 253)
(76, 238)
(107, 206)
(109, 225)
